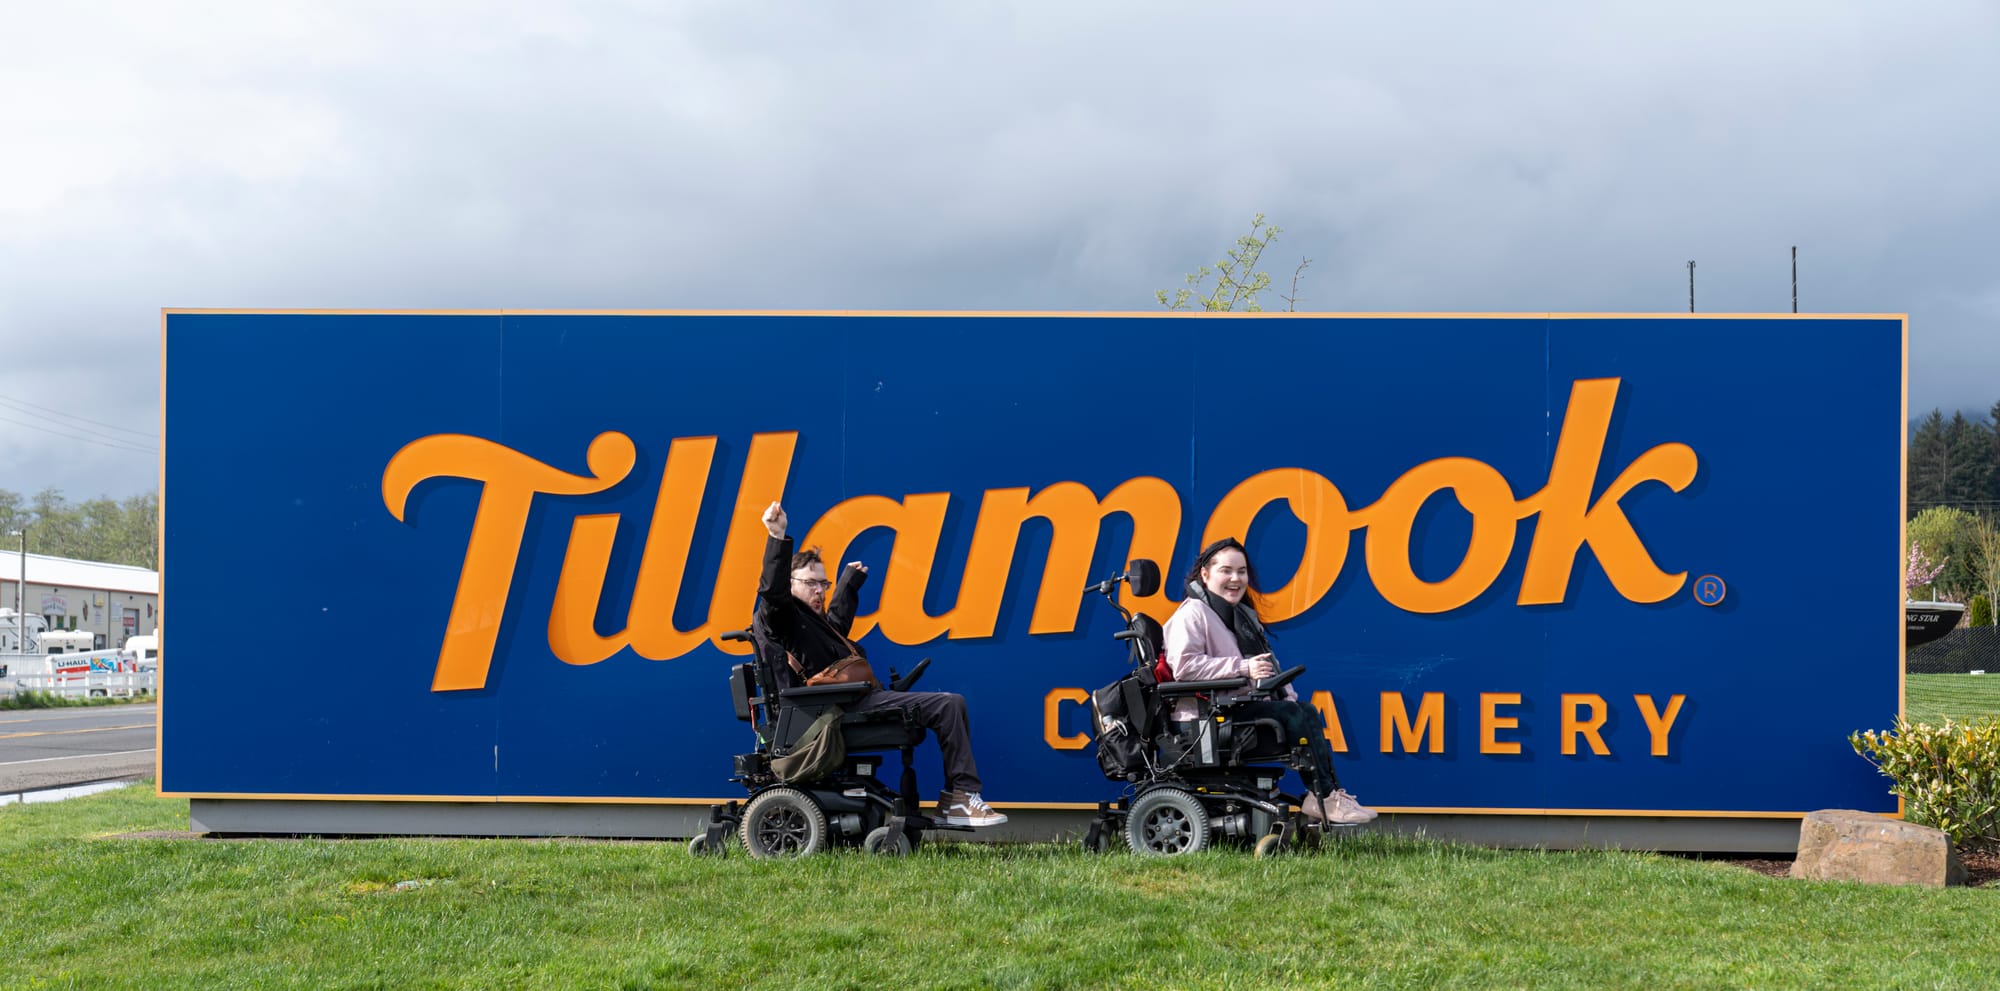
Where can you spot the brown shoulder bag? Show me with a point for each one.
(851, 668)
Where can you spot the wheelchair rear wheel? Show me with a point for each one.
(1166, 822)
(783, 822)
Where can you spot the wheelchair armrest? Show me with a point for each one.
(1173, 688)
(836, 694)
(903, 683)
(1270, 687)
(740, 636)
(1127, 635)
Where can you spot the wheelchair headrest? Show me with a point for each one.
(1145, 578)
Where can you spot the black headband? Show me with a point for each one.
(1209, 552)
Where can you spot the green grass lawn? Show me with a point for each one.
(85, 909)
(1928, 698)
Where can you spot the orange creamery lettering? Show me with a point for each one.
(1567, 520)
(1425, 732)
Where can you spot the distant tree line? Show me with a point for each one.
(101, 529)
(1955, 462)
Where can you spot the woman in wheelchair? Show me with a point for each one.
(1216, 633)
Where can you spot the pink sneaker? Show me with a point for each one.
(1347, 810)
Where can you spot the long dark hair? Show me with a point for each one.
(1252, 591)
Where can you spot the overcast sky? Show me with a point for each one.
(1520, 156)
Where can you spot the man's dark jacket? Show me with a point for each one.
(787, 623)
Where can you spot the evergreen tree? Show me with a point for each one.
(1972, 460)
(1952, 463)
(1993, 455)
(1930, 464)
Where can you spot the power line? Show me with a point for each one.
(62, 422)
(11, 401)
(87, 440)
(94, 436)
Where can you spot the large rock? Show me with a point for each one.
(1846, 845)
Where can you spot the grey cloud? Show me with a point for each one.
(1565, 156)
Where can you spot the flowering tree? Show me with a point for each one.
(1947, 534)
(1921, 571)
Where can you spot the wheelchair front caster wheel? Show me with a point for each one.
(1270, 846)
(699, 846)
(1097, 839)
(887, 842)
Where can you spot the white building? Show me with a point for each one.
(113, 601)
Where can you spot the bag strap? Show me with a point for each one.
(1135, 707)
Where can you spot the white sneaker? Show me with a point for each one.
(1346, 810)
(958, 808)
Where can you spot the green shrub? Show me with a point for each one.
(1980, 613)
(50, 700)
(1948, 776)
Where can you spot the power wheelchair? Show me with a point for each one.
(848, 806)
(1196, 782)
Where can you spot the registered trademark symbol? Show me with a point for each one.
(1709, 590)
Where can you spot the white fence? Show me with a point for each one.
(81, 684)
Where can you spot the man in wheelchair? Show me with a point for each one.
(795, 616)
(820, 712)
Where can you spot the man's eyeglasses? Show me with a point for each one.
(812, 583)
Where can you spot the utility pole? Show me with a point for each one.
(1795, 278)
(1690, 285)
(20, 594)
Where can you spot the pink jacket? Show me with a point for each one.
(1199, 648)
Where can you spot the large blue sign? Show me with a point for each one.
(1533, 563)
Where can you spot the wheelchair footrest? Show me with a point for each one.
(917, 822)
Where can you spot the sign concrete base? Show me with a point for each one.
(1549, 832)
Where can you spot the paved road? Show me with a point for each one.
(48, 748)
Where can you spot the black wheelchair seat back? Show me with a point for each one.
(1149, 646)
(743, 688)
